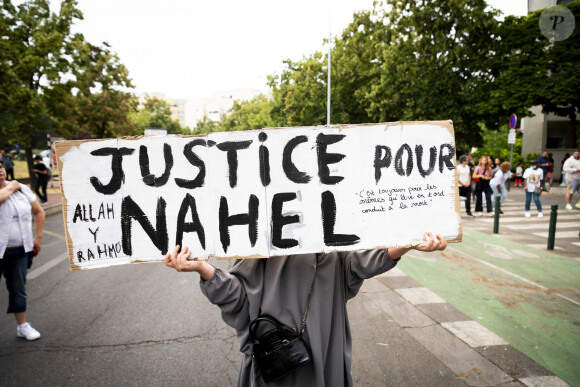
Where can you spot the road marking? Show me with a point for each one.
(418, 296)
(549, 380)
(473, 333)
(35, 273)
(546, 218)
(559, 235)
(514, 275)
(543, 225)
(54, 234)
(544, 246)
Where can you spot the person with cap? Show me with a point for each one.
(532, 180)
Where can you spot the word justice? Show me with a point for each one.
(382, 160)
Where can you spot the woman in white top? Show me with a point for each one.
(497, 183)
(464, 181)
(18, 205)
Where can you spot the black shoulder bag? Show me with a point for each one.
(281, 350)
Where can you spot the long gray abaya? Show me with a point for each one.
(278, 286)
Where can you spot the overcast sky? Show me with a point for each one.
(187, 49)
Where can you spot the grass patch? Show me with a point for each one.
(21, 170)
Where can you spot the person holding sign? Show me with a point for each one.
(284, 287)
(17, 204)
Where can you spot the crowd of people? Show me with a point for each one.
(489, 179)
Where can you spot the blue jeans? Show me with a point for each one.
(495, 193)
(536, 200)
(14, 267)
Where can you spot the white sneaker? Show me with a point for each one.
(527, 214)
(479, 214)
(568, 206)
(28, 332)
(540, 215)
(490, 214)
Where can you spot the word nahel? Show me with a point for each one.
(258, 193)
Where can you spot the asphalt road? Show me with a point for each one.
(129, 325)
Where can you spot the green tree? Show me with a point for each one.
(300, 92)
(252, 114)
(533, 70)
(33, 58)
(101, 105)
(435, 62)
(205, 125)
(156, 113)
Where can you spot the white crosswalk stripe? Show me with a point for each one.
(532, 231)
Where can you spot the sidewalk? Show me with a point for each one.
(466, 316)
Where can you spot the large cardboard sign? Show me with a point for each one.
(258, 193)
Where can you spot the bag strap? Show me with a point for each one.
(303, 326)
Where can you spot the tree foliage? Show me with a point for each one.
(101, 105)
(34, 58)
(155, 113)
(533, 70)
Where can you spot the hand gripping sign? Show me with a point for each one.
(259, 193)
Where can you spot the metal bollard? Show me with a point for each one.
(552, 228)
(496, 216)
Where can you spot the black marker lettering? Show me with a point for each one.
(279, 220)
(399, 161)
(91, 213)
(129, 209)
(78, 213)
(196, 162)
(195, 225)
(322, 142)
(264, 160)
(110, 212)
(148, 178)
(328, 204)
(381, 162)
(290, 169)
(94, 233)
(225, 221)
(116, 166)
(232, 148)
(432, 157)
(448, 158)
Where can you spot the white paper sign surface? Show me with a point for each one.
(258, 193)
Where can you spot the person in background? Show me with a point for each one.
(7, 159)
(519, 173)
(572, 169)
(483, 173)
(17, 204)
(496, 165)
(41, 178)
(497, 183)
(464, 181)
(532, 179)
(544, 165)
(563, 173)
(550, 169)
